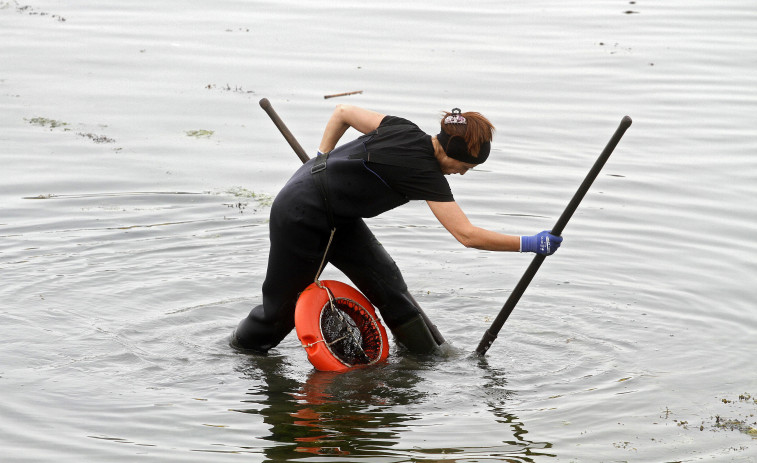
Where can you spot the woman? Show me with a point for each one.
(392, 163)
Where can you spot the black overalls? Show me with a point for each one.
(299, 234)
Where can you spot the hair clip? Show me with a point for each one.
(455, 118)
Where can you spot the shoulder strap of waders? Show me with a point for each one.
(397, 161)
(318, 171)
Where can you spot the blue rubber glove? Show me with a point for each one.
(543, 243)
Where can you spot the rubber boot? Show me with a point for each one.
(415, 336)
(255, 333)
(434, 330)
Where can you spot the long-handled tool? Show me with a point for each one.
(266, 105)
(491, 333)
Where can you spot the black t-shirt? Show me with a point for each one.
(359, 188)
(419, 176)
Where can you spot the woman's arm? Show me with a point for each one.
(455, 221)
(344, 117)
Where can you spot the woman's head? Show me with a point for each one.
(466, 137)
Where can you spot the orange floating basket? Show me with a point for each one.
(338, 327)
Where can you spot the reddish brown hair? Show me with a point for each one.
(476, 132)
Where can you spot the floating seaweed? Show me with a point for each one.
(201, 133)
(48, 123)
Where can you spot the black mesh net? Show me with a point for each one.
(350, 333)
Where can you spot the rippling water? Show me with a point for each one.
(137, 172)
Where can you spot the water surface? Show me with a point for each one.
(137, 172)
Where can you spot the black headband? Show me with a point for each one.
(456, 148)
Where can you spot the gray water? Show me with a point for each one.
(137, 171)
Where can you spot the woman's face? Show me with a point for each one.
(448, 165)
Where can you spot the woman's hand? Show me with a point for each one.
(544, 243)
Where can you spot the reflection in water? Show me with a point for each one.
(351, 413)
(496, 397)
(366, 412)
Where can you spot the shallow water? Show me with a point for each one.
(137, 172)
